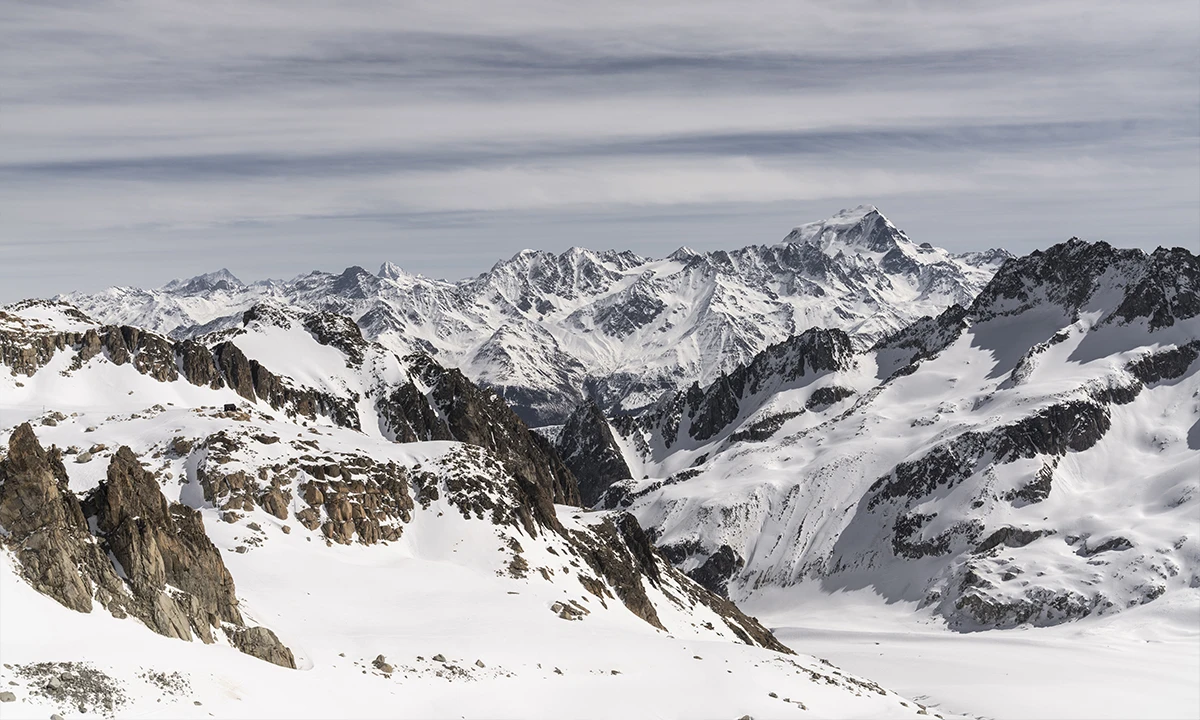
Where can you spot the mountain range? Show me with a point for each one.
(567, 476)
(546, 331)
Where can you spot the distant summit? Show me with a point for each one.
(221, 280)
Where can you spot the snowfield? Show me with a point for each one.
(1142, 663)
(473, 616)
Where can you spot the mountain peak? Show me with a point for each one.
(856, 229)
(219, 280)
(391, 271)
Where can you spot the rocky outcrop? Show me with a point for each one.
(408, 416)
(148, 558)
(588, 448)
(1073, 425)
(348, 498)
(159, 545)
(261, 643)
(198, 365)
(253, 381)
(340, 332)
(714, 574)
(1165, 364)
(46, 530)
(235, 366)
(712, 410)
(622, 555)
(479, 417)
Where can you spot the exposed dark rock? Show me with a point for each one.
(159, 545)
(236, 369)
(587, 447)
(711, 410)
(198, 365)
(114, 345)
(714, 574)
(1169, 290)
(154, 544)
(89, 347)
(823, 397)
(1116, 544)
(1010, 537)
(762, 430)
(1037, 489)
(1166, 364)
(409, 416)
(1073, 425)
(481, 418)
(340, 332)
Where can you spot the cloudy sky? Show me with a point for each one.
(150, 139)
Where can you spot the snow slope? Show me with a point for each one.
(1032, 459)
(563, 615)
(547, 330)
(1140, 663)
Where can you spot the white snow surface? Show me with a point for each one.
(441, 589)
(1142, 663)
(809, 504)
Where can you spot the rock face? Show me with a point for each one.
(158, 545)
(154, 545)
(479, 417)
(706, 413)
(588, 448)
(261, 643)
(47, 530)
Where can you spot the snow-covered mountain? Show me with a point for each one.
(1032, 457)
(336, 474)
(310, 510)
(548, 330)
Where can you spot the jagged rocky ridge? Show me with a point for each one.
(547, 331)
(264, 453)
(123, 547)
(963, 448)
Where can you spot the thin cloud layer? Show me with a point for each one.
(147, 140)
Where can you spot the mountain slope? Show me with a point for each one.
(420, 578)
(1031, 458)
(548, 330)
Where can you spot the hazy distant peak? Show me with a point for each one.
(220, 280)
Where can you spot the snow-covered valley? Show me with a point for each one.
(1140, 663)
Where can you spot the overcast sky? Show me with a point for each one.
(152, 139)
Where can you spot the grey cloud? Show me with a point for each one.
(849, 145)
(188, 136)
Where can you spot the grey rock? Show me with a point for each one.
(263, 644)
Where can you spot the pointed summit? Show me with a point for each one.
(208, 282)
(683, 254)
(859, 229)
(391, 271)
